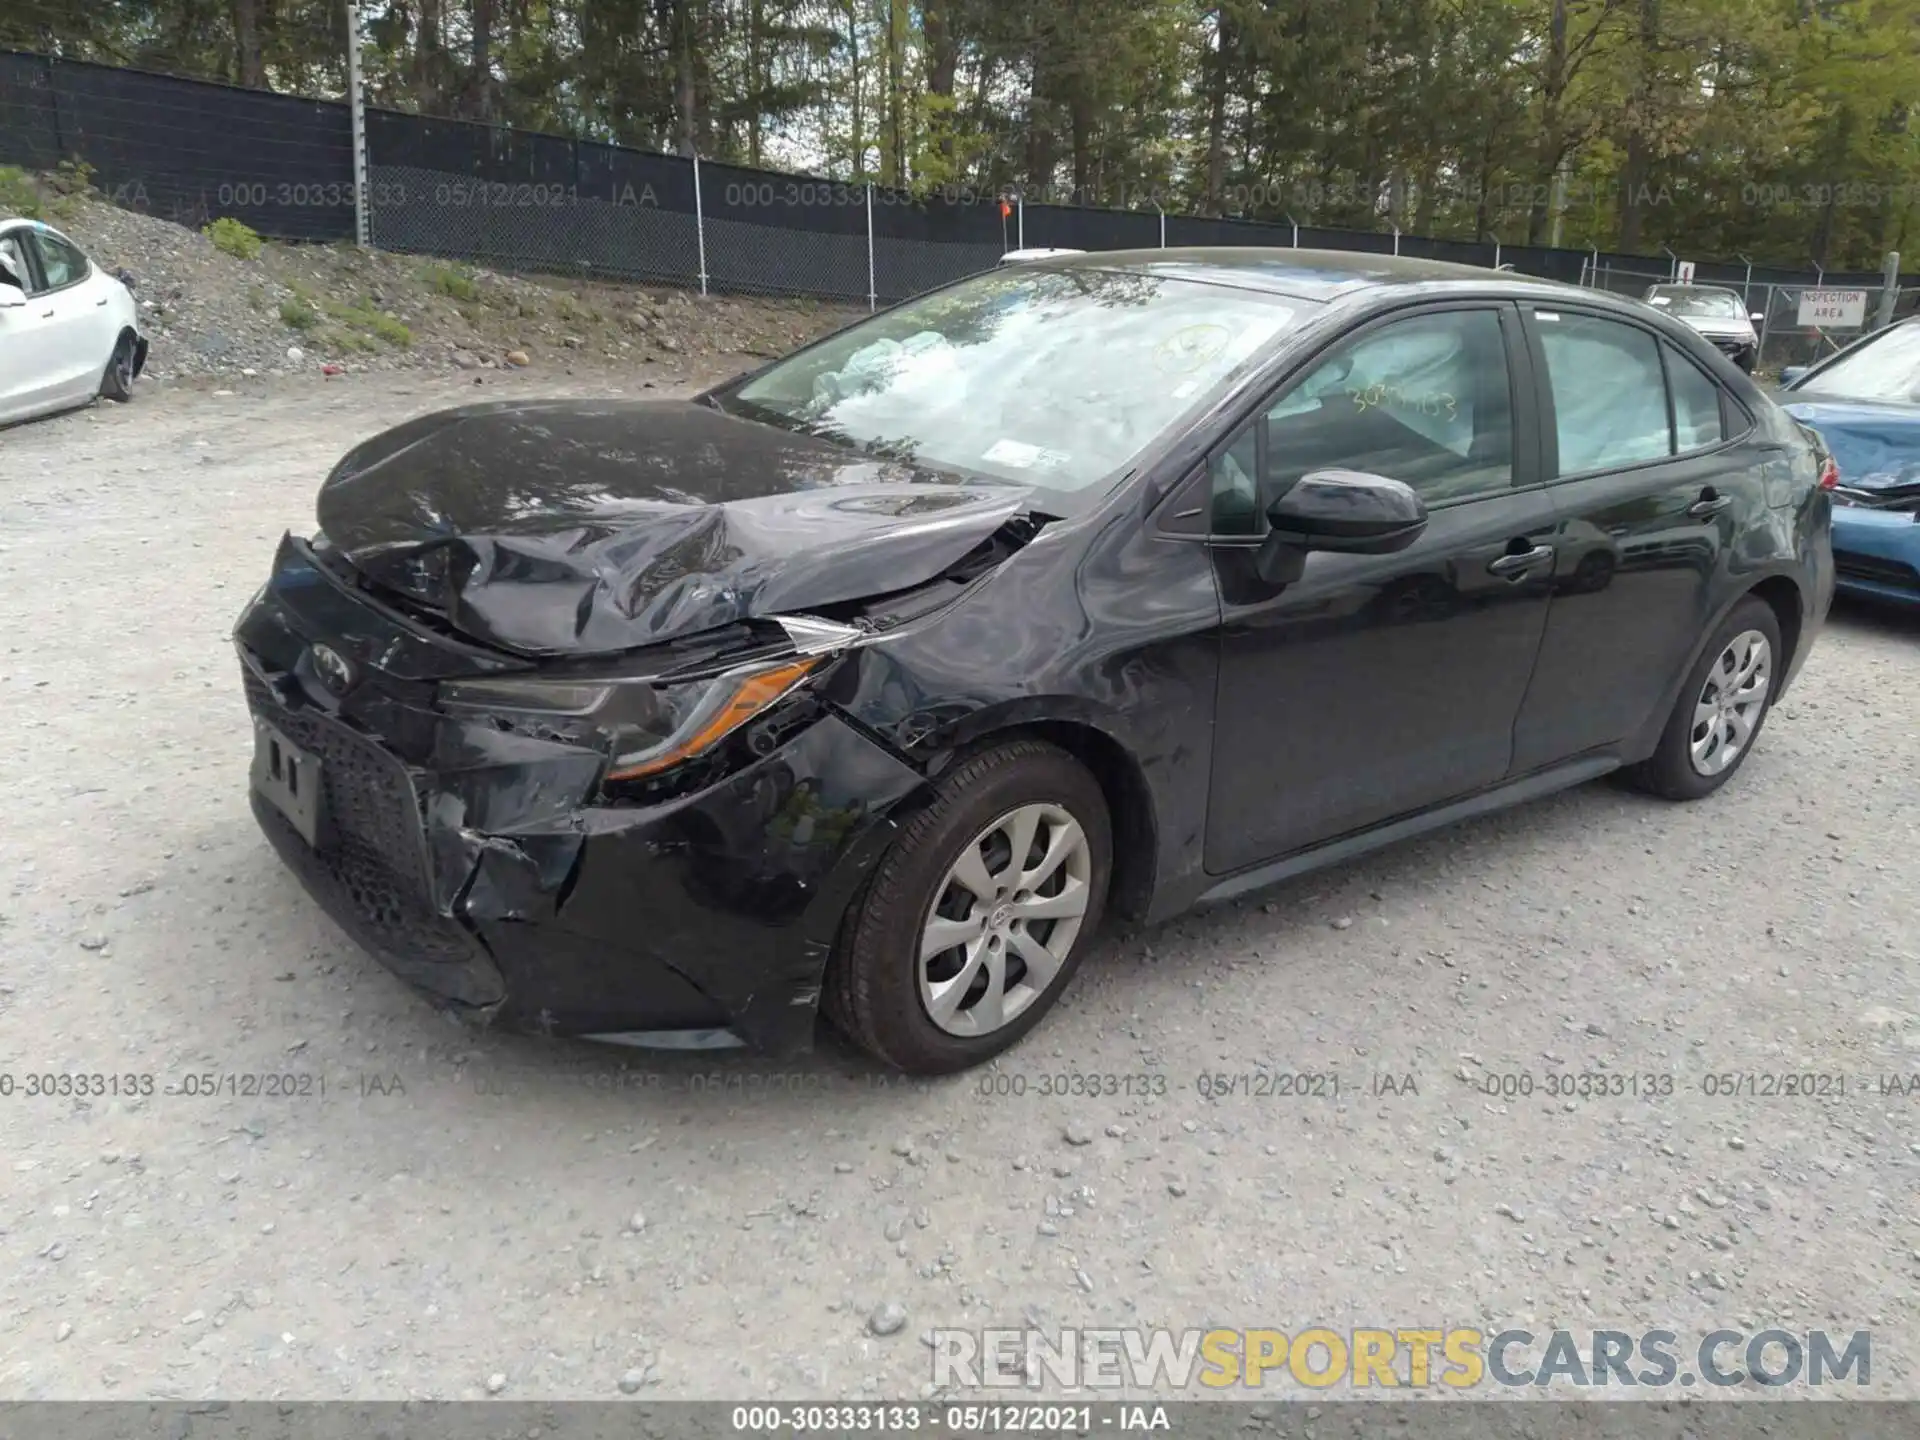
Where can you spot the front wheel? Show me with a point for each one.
(1721, 708)
(976, 919)
(117, 383)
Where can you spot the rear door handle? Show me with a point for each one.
(46, 314)
(1709, 505)
(1512, 567)
(101, 301)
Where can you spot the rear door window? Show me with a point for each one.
(1609, 391)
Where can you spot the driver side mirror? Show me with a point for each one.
(1347, 512)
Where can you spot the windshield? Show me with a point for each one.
(1713, 304)
(1887, 367)
(1055, 378)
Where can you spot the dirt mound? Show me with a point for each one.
(292, 308)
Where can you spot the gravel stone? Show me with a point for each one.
(889, 1318)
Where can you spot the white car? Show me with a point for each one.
(68, 330)
(1717, 313)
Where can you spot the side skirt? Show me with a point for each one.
(1332, 852)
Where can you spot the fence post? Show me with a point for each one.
(1496, 252)
(1163, 225)
(872, 293)
(699, 223)
(1396, 240)
(1020, 222)
(1766, 321)
(1746, 286)
(357, 112)
(1296, 231)
(1889, 290)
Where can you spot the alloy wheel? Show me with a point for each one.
(1731, 702)
(1004, 919)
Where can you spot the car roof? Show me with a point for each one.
(1304, 274)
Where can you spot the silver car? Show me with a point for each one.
(1719, 314)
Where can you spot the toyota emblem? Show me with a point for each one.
(333, 668)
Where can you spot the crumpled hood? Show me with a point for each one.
(578, 527)
(1876, 446)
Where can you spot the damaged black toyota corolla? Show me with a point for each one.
(867, 683)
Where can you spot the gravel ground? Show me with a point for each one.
(555, 1219)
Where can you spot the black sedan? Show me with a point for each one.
(1118, 582)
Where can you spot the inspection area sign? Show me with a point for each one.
(1833, 309)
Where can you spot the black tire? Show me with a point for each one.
(872, 992)
(117, 383)
(1670, 772)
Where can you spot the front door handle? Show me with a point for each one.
(1513, 566)
(101, 301)
(1709, 504)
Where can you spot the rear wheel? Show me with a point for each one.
(976, 919)
(117, 383)
(1721, 708)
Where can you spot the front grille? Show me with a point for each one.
(372, 872)
(1853, 566)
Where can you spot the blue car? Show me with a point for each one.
(1864, 402)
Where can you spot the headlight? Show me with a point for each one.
(648, 727)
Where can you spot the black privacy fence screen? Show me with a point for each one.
(194, 151)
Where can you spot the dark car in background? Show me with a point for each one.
(1117, 582)
(1718, 314)
(1865, 404)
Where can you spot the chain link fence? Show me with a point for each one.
(521, 200)
(1787, 335)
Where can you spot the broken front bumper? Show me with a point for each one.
(484, 869)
